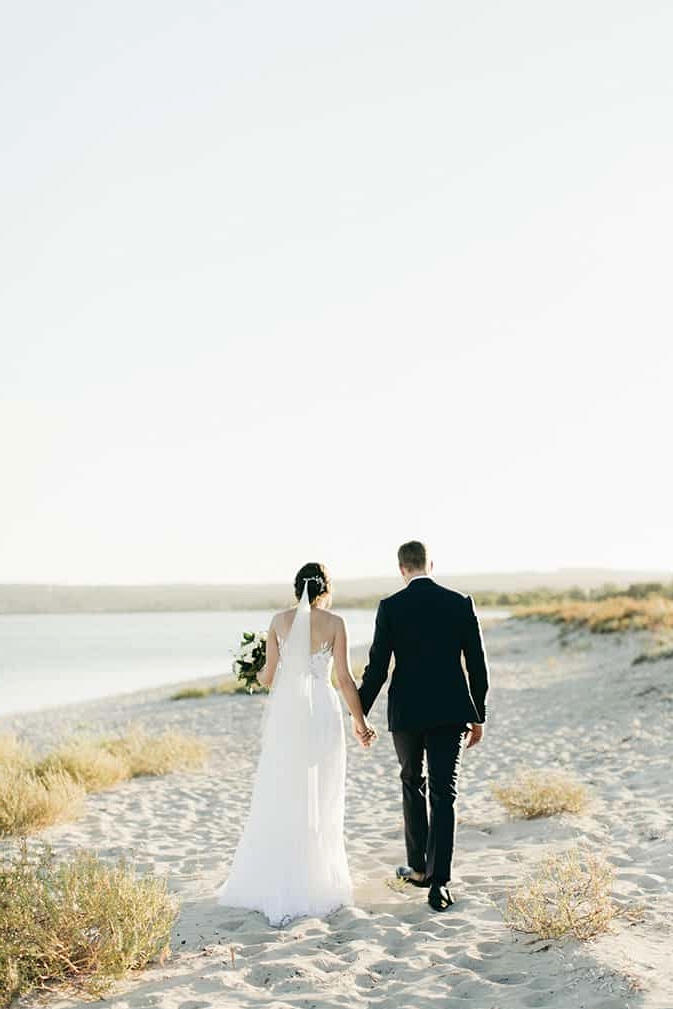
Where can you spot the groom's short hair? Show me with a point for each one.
(413, 555)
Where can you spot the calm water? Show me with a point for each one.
(48, 659)
(54, 658)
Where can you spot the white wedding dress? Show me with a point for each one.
(291, 860)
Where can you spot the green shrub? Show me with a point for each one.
(80, 923)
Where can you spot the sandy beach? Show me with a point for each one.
(581, 706)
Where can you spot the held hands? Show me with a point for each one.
(475, 733)
(364, 733)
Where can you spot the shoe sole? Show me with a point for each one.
(422, 883)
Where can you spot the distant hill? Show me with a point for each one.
(42, 598)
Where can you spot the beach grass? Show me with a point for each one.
(14, 752)
(37, 793)
(659, 652)
(78, 924)
(146, 754)
(191, 693)
(228, 687)
(31, 802)
(87, 762)
(569, 894)
(546, 792)
(605, 616)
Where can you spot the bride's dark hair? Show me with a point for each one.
(319, 582)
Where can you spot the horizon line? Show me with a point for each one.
(260, 583)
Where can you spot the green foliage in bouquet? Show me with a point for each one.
(250, 659)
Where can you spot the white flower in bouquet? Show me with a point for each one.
(250, 658)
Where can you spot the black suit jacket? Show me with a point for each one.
(427, 628)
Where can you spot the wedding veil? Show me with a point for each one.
(291, 710)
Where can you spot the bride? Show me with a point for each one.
(291, 859)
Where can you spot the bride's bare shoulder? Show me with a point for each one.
(332, 619)
(282, 620)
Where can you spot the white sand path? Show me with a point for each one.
(580, 706)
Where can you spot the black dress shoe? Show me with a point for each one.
(404, 872)
(439, 897)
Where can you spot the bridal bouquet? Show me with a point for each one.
(250, 658)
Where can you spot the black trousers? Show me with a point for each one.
(430, 842)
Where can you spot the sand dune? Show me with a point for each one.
(581, 706)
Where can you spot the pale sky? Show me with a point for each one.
(299, 281)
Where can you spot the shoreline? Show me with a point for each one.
(126, 646)
(140, 696)
(52, 659)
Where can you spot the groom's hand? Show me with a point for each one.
(475, 734)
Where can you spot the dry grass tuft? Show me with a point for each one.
(227, 687)
(570, 894)
(187, 693)
(145, 754)
(34, 795)
(86, 762)
(534, 793)
(397, 885)
(79, 924)
(14, 753)
(30, 802)
(660, 652)
(605, 616)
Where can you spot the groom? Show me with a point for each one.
(432, 708)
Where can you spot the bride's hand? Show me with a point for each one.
(365, 733)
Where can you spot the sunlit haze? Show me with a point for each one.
(298, 281)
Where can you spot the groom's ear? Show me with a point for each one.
(432, 565)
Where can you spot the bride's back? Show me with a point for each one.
(324, 625)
